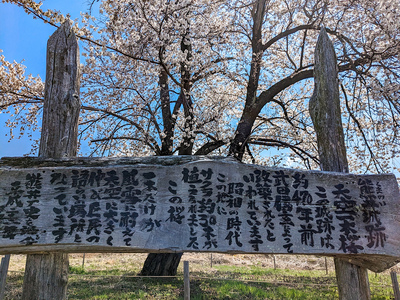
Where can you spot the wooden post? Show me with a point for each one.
(186, 280)
(326, 266)
(46, 275)
(325, 112)
(5, 261)
(83, 261)
(395, 285)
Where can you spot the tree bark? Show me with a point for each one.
(167, 141)
(325, 112)
(166, 264)
(251, 109)
(161, 264)
(46, 275)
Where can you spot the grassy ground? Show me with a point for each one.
(113, 276)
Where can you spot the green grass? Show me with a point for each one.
(220, 282)
(124, 288)
(252, 282)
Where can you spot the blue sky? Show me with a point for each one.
(23, 38)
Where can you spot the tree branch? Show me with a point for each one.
(136, 125)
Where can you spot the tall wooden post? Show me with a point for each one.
(325, 112)
(46, 275)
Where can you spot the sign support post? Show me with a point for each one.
(325, 112)
(46, 275)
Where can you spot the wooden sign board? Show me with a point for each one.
(189, 204)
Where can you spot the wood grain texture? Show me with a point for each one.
(325, 112)
(46, 275)
(395, 285)
(5, 261)
(62, 103)
(172, 204)
(324, 108)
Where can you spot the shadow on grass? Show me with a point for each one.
(168, 288)
(230, 289)
(93, 287)
(292, 285)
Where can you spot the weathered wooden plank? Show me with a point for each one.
(46, 275)
(62, 103)
(352, 280)
(173, 204)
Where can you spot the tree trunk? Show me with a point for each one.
(325, 112)
(46, 275)
(251, 109)
(166, 264)
(167, 141)
(161, 264)
(243, 132)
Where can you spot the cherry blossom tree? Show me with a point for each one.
(281, 38)
(203, 77)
